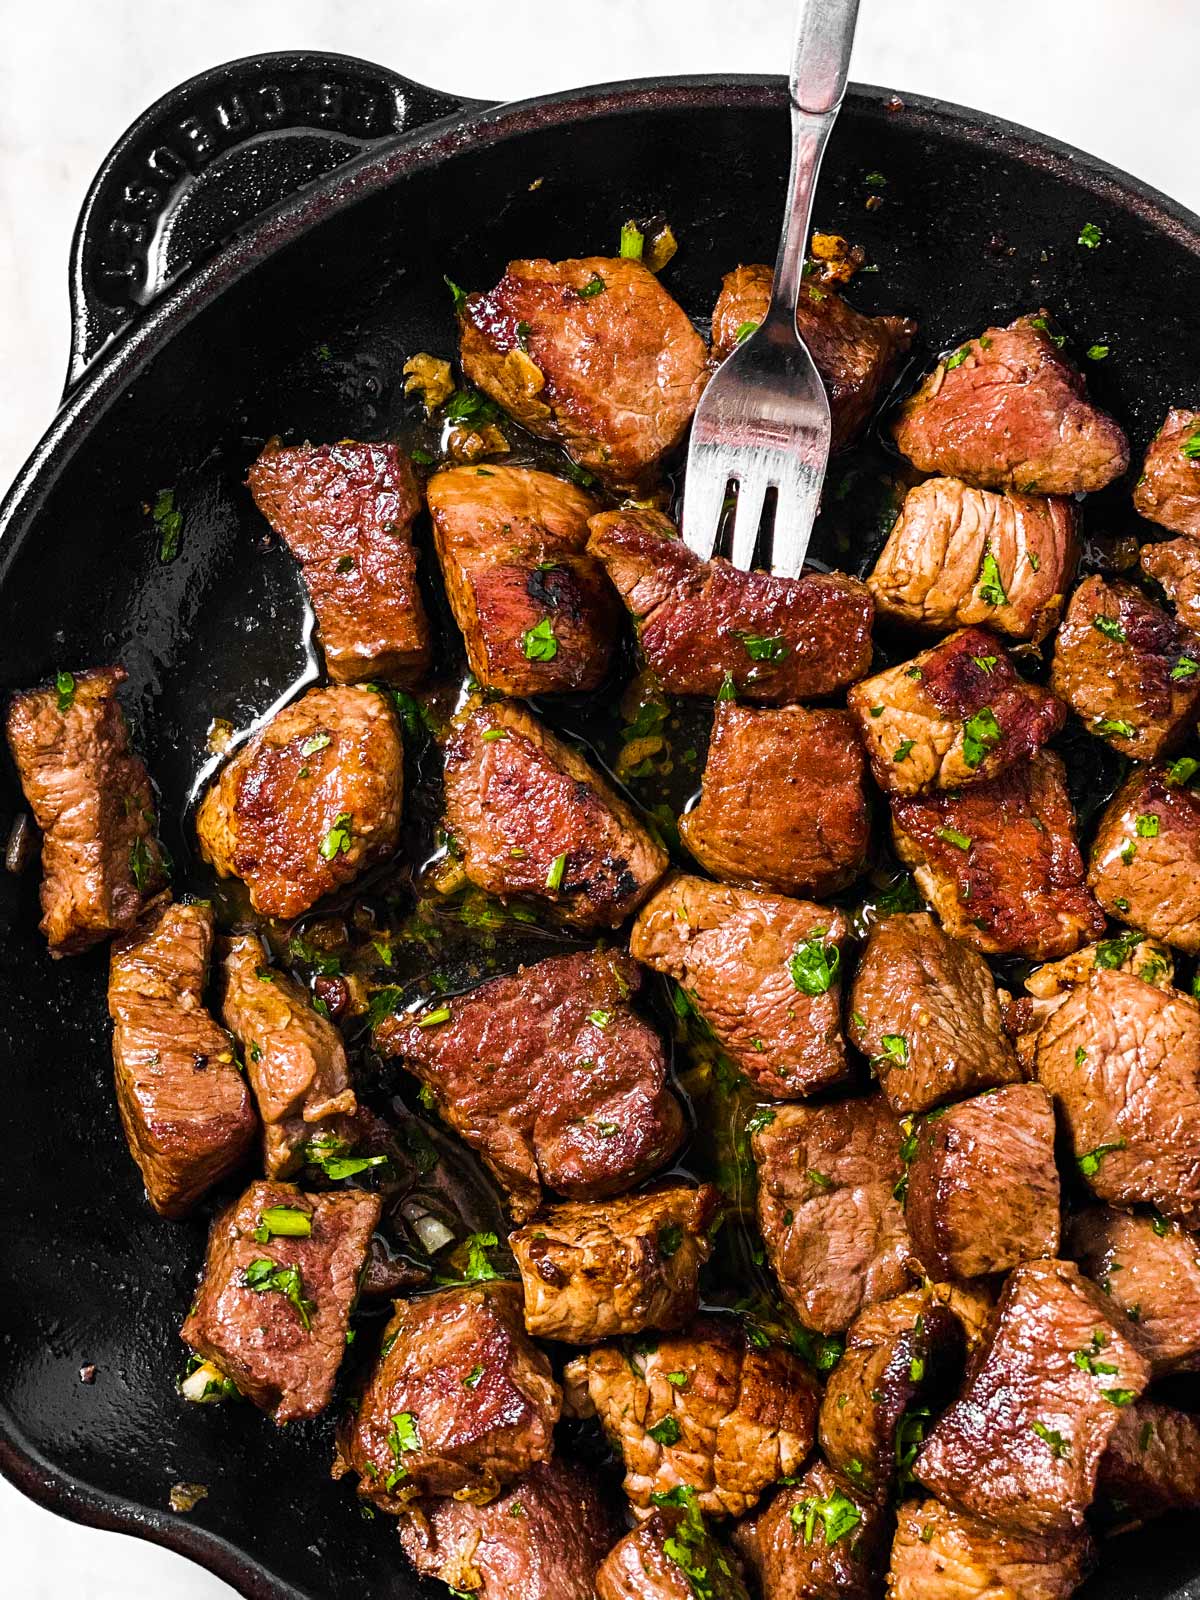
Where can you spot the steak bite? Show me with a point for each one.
(956, 714)
(542, 1538)
(280, 1279)
(818, 1539)
(1006, 411)
(536, 611)
(827, 1206)
(924, 1009)
(999, 862)
(959, 557)
(707, 1409)
(940, 1554)
(1168, 491)
(901, 1356)
(596, 1271)
(1022, 1443)
(460, 1401)
(89, 793)
(1127, 669)
(533, 818)
(1175, 564)
(346, 511)
(1152, 1464)
(294, 1058)
(550, 1076)
(707, 625)
(184, 1105)
(1151, 1268)
(673, 1556)
(594, 354)
(1145, 867)
(1122, 1060)
(983, 1192)
(856, 355)
(763, 972)
(312, 800)
(782, 803)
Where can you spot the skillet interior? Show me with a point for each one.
(976, 224)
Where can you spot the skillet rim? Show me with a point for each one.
(120, 363)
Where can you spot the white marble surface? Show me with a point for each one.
(1113, 76)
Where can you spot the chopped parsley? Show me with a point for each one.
(600, 1019)
(337, 841)
(836, 1514)
(492, 734)
(1114, 728)
(1097, 352)
(690, 1547)
(284, 1222)
(814, 965)
(403, 1437)
(1120, 1397)
(169, 522)
(895, 1050)
(479, 1268)
(1090, 236)
(65, 685)
(745, 329)
(666, 1433)
(670, 1238)
(1059, 1447)
(763, 1118)
(984, 663)
(1089, 1164)
(471, 1381)
(1112, 953)
(594, 286)
(759, 648)
(901, 752)
(677, 1380)
(819, 1178)
(981, 733)
(1185, 667)
(952, 836)
(990, 587)
(456, 294)
(317, 742)
(1190, 448)
(727, 690)
(141, 863)
(1147, 825)
(1109, 627)
(539, 643)
(957, 359)
(332, 1156)
(1182, 771)
(267, 1277)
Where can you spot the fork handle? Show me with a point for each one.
(820, 65)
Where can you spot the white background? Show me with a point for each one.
(1117, 77)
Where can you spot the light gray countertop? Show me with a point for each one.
(1109, 76)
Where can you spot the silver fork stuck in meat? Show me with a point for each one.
(763, 422)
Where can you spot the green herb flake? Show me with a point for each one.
(902, 750)
(727, 690)
(835, 1514)
(990, 588)
(456, 294)
(821, 1180)
(594, 286)
(763, 1118)
(1120, 1397)
(558, 869)
(1114, 728)
(264, 1276)
(1059, 1447)
(337, 841)
(895, 1049)
(670, 1237)
(1185, 667)
(319, 741)
(435, 1018)
(169, 522)
(981, 733)
(1146, 825)
(633, 241)
(957, 359)
(1089, 1164)
(666, 1433)
(471, 1381)
(952, 836)
(1128, 851)
(677, 1380)
(1190, 448)
(814, 965)
(744, 330)
(1097, 352)
(283, 1222)
(141, 863)
(759, 648)
(1182, 771)
(539, 642)
(1112, 953)
(331, 1155)
(1090, 236)
(64, 683)
(479, 1268)
(984, 663)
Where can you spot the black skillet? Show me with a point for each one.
(188, 349)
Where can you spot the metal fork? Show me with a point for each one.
(763, 422)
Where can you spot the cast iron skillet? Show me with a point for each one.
(188, 350)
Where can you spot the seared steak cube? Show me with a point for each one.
(706, 1408)
(1127, 669)
(954, 715)
(294, 1058)
(536, 611)
(983, 1192)
(542, 1538)
(184, 1105)
(310, 802)
(668, 1558)
(999, 862)
(855, 355)
(90, 796)
(279, 1281)
(1022, 1443)
(763, 972)
(595, 1271)
(460, 1401)
(1175, 564)
(1006, 411)
(1151, 1268)
(1145, 867)
(957, 557)
(1168, 491)
(707, 625)
(346, 511)
(782, 804)
(940, 1554)
(901, 1356)
(592, 353)
(550, 1076)
(533, 818)
(817, 1540)
(827, 1206)
(1152, 1464)
(1122, 1060)
(924, 1009)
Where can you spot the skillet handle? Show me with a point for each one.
(209, 158)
